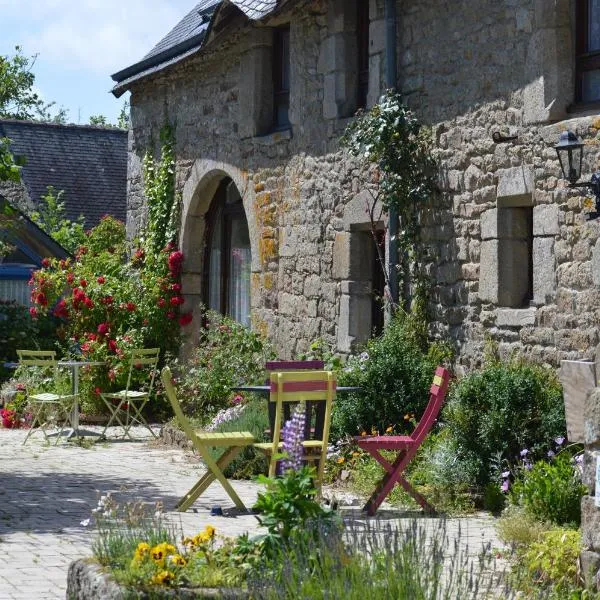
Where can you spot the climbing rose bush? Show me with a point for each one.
(108, 304)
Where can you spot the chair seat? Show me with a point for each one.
(268, 446)
(384, 441)
(49, 397)
(127, 394)
(234, 438)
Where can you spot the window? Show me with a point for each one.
(281, 78)
(588, 50)
(228, 260)
(362, 44)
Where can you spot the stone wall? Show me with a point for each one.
(515, 259)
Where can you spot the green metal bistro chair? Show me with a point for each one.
(126, 406)
(49, 409)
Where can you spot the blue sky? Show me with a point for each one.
(80, 43)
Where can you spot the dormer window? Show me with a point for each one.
(588, 51)
(281, 78)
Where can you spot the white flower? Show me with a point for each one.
(85, 522)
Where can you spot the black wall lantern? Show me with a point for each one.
(570, 155)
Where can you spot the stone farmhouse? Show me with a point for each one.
(273, 223)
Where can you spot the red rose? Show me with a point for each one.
(33, 312)
(101, 280)
(185, 319)
(41, 299)
(106, 300)
(98, 391)
(70, 278)
(88, 302)
(130, 306)
(103, 328)
(112, 345)
(175, 287)
(63, 264)
(177, 300)
(45, 263)
(175, 261)
(91, 337)
(161, 302)
(85, 347)
(82, 283)
(171, 315)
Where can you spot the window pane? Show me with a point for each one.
(214, 267)
(239, 276)
(594, 26)
(16, 290)
(590, 85)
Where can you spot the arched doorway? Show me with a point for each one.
(228, 255)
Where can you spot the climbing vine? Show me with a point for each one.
(159, 186)
(390, 137)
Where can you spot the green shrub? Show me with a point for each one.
(502, 409)
(553, 559)
(551, 491)
(395, 374)
(518, 529)
(228, 354)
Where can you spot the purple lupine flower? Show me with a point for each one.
(292, 436)
(559, 440)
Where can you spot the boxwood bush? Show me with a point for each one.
(505, 407)
(395, 373)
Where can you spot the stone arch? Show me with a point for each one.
(198, 193)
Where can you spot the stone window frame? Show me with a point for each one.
(500, 227)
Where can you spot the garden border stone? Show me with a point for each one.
(86, 580)
(171, 436)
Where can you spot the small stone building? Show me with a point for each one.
(274, 228)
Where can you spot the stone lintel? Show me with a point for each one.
(515, 317)
(515, 186)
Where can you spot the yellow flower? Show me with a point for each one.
(210, 531)
(141, 552)
(407, 417)
(363, 433)
(588, 203)
(178, 560)
(340, 460)
(163, 578)
(355, 454)
(161, 551)
(390, 429)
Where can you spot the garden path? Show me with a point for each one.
(46, 492)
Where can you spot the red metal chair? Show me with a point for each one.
(406, 445)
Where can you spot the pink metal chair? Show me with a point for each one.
(406, 446)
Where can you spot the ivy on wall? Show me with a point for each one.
(391, 137)
(159, 186)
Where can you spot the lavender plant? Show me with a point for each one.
(292, 437)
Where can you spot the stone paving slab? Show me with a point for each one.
(47, 491)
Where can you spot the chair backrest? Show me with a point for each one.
(437, 393)
(37, 358)
(167, 380)
(145, 359)
(316, 388)
(294, 365)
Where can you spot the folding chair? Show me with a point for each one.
(290, 365)
(233, 443)
(126, 406)
(49, 409)
(317, 387)
(406, 445)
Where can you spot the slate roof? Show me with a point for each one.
(89, 163)
(186, 38)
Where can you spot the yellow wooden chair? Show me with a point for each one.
(48, 409)
(317, 389)
(233, 443)
(126, 406)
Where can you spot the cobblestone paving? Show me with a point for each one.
(47, 491)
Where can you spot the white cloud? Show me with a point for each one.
(102, 37)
